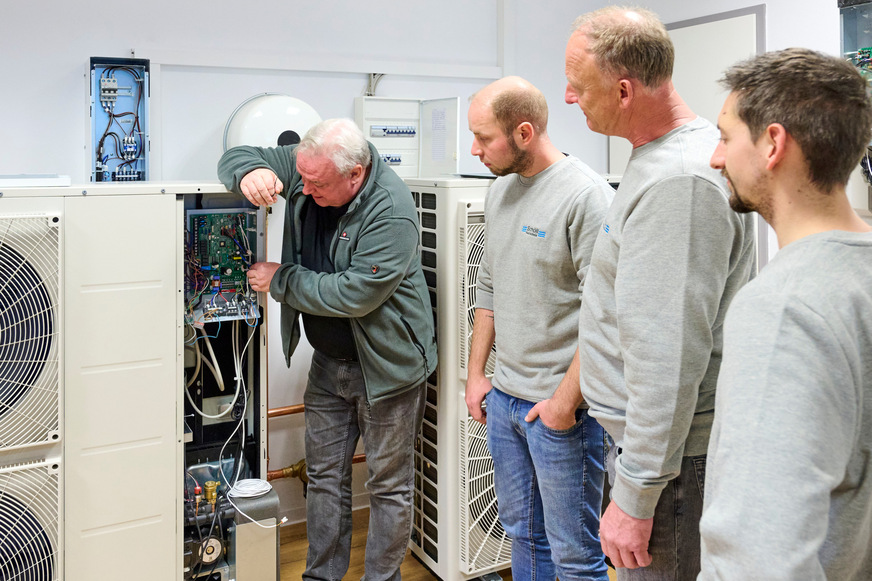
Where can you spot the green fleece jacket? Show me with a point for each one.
(378, 284)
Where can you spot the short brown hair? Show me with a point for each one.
(514, 106)
(822, 102)
(639, 48)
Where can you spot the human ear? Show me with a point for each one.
(525, 132)
(625, 92)
(775, 138)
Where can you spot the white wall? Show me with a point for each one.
(433, 49)
(46, 45)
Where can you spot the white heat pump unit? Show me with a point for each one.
(92, 459)
(456, 529)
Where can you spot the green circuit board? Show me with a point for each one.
(221, 247)
(862, 59)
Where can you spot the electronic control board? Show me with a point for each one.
(221, 247)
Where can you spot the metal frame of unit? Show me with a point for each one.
(92, 452)
(456, 531)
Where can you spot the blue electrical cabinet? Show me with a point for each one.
(119, 92)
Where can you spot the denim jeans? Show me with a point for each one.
(549, 490)
(337, 415)
(674, 545)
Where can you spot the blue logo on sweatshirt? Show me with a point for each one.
(533, 231)
(605, 228)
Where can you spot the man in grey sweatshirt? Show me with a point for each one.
(669, 259)
(541, 218)
(789, 487)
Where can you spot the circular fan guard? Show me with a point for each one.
(26, 327)
(29, 319)
(28, 504)
(488, 542)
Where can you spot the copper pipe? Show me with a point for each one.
(285, 411)
(298, 469)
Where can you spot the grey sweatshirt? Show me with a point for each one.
(789, 478)
(670, 258)
(540, 232)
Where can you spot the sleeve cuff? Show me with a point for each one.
(278, 284)
(484, 299)
(637, 501)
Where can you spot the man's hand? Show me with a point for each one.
(625, 539)
(552, 415)
(261, 186)
(260, 275)
(476, 388)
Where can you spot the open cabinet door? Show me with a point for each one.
(440, 141)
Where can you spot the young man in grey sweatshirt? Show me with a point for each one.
(541, 217)
(789, 486)
(669, 259)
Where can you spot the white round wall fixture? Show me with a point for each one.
(268, 120)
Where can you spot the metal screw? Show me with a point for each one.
(163, 191)
(84, 192)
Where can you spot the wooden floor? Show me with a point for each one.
(293, 554)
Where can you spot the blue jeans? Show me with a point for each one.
(337, 415)
(549, 490)
(674, 545)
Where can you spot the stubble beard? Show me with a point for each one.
(521, 161)
(744, 206)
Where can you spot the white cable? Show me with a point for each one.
(218, 377)
(237, 362)
(278, 524)
(239, 468)
(204, 414)
(197, 367)
(250, 488)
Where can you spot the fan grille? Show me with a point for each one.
(29, 395)
(29, 523)
(474, 238)
(483, 541)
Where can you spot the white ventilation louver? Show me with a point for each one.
(473, 238)
(29, 523)
(29, 329)
(483, 541)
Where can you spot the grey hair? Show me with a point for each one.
(340, 140)
(638, 48)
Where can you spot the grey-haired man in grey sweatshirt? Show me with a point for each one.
(789, 485)
(669, 258)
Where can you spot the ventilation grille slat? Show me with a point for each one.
(29, 510)
(29, 330)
